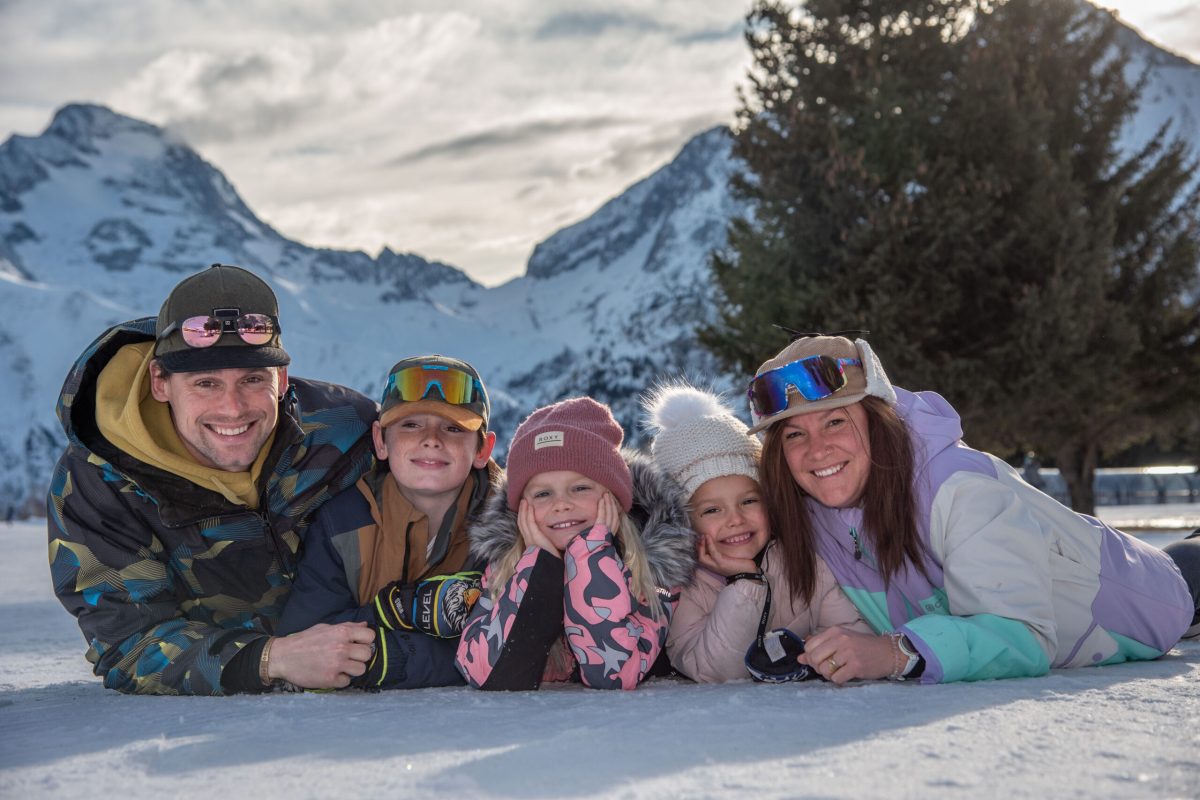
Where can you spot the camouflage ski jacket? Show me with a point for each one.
(168, 580)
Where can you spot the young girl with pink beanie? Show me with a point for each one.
(586, 548)
(737, 618)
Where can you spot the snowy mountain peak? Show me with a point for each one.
(74, 136)
(82, 124)
(135, 196)
(623, 222)
(123, 189)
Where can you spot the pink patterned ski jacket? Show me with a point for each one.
(583, 598)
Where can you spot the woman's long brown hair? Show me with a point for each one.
(889, 503)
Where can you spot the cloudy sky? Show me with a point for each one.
(464, 131)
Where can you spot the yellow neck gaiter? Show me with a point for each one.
(131, 419)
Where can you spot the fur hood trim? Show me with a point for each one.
(659, 513)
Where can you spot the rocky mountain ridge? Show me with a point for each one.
(102, 214)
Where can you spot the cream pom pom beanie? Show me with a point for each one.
(697, 438)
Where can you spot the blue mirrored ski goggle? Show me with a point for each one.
(815, 378)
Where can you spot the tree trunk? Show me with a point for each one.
(1077, 465)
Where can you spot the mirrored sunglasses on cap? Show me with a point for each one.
(205, 331)
(814, 377)
(436, 382)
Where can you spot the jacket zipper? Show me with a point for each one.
(281, 549)
(861, 551)
(858, 551)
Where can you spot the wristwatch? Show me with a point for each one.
(909, 652)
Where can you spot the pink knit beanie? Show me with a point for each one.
(578, 435)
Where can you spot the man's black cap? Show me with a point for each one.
(225, 292)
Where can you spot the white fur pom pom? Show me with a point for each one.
(671, 405)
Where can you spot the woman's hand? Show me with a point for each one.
(711, 557)
(841, 655)
(530, 531)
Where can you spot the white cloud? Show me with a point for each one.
(291, 86)
(1174, 24)
(464, 135)
(456, 135)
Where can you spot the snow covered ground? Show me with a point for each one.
(1128, 731)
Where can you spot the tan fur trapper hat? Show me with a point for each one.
(865, 378)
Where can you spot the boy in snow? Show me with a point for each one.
(392, 550)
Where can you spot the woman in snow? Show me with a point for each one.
(963, 570)
(739, 612)
(586, 548)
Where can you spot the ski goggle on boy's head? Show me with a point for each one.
(440, 385)
(425, 382)
(205, 331)
(814, 377)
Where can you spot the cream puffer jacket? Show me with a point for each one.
(716, 623)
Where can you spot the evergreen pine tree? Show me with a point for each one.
(947, 175)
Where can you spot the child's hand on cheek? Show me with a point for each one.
(608, 513)
(530, 531)
(711, 557)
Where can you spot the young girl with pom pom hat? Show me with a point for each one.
(739, 591)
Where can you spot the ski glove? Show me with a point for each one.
(377, 667)
(437, 606)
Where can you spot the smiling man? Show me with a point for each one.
(176, 514)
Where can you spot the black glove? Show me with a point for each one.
(438, 606)
(372, 679)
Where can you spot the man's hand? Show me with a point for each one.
(323, 656)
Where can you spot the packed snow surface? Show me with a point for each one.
(1129, 731)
